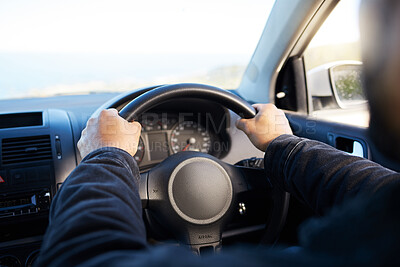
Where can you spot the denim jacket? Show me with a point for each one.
(96, 217)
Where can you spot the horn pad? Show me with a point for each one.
(200, 190)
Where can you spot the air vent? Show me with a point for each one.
(26, 149)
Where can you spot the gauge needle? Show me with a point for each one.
(191, 141)
(186, 147)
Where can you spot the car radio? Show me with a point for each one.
(25, 203)
(26, 176)
(25, 190)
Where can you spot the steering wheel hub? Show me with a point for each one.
(200, 190)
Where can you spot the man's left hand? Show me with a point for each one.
(109, 130)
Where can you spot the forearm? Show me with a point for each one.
(97, 210)
(321, 175)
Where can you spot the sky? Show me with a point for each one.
(100, 44)
(126, 26)
(53, 46)
(341, 26)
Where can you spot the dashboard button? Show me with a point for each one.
(3, 179)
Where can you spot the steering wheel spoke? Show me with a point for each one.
(262, 203)
(143, 192)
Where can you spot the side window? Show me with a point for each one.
(333, 68)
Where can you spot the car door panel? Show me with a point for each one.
(341, 136)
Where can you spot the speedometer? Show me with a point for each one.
(190, 136)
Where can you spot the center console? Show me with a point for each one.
(37, 152)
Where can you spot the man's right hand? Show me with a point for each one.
(269, 123)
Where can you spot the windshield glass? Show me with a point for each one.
(72, 47)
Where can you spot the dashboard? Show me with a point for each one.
(38, 150)
(166, 132)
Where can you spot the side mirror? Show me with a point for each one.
(340, 80)
(346, 84)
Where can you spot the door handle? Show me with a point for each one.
(349, 145)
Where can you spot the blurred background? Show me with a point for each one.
(69, 47)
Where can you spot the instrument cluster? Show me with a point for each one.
(164, 134)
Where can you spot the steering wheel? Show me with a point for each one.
(192, 195)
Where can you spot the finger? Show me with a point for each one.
(257, 107)
(113, 111)
(83, 132)
(108, 113)
(269, 106)
(130, 127)
(91, 121)
(103, 112)
(137, 124)
(242, 125)
(262, 107)
(136, 127)
(79, 145)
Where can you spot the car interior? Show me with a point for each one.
(185, 125)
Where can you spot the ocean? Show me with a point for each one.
(41, 74)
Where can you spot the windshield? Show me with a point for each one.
(72, 47)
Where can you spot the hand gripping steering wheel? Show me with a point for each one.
(195, 196)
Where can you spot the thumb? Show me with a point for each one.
(242, 125)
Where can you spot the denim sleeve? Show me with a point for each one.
(320, 175)
(97, 210)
